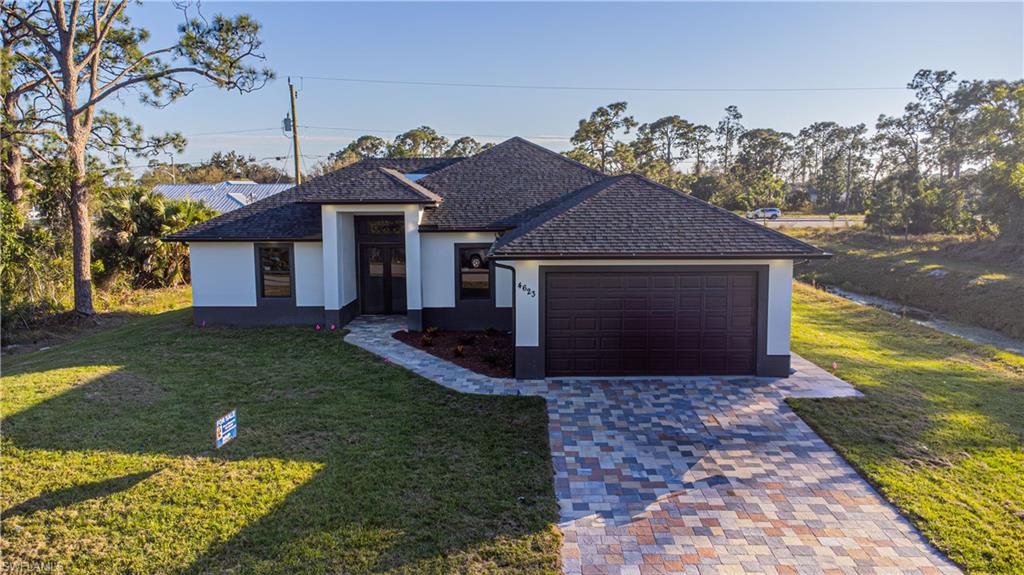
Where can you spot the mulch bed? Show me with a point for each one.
(488, 353)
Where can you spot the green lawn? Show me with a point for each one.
(343, 464)
(940, 429)
(979, 282)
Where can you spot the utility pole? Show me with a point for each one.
(295, 132)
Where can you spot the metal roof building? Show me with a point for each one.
(224, 196)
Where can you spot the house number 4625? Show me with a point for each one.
(529, 291)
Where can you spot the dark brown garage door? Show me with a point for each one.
(658, 323)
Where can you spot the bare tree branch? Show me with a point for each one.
(101, 34)
(36, 32)
(147, 78)
(48, 76)
(139, 62)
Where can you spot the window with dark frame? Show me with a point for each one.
(383, 226)
(474, 273)
(275, 272)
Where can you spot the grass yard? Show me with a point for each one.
(940, 429)
(343, 463)
(113, 308)
(347, 464)
(979, 282)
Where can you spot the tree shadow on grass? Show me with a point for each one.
(413, 473)
(384, 516)
(78, 493)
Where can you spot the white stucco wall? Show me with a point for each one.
(503, 288)
(780, 306)
(331, 248)
(340, 282)
(348, 256)
(309, 274)
(413, 260)
(438, 254)
(223, 274)
(780, 294)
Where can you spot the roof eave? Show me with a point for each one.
(366, 202)
(434, 228)
(660, 256)
(243, 239)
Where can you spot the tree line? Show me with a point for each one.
(421, 142)
(952, 162)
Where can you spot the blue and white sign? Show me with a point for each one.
(227, 429)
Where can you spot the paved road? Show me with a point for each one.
(813, 222)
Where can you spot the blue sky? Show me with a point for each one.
(679, 45)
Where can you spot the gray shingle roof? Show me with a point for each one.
(493, 189)
(633, 216)
(222, 196)
(284, 216)
(376, 186)
(550, 205)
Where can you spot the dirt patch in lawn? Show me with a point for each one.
(123, 388)
(486, 352)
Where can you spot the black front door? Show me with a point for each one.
(382, 278)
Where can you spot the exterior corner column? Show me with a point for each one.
(413, 268)
(529, 356)
(330, 236)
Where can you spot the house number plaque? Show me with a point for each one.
(527, 289)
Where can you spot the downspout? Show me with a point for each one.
(514, 322)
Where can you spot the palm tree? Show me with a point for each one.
(132, 224)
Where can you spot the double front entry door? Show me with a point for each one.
(382, 278)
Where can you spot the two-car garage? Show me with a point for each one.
(630, 277)
(651, 322)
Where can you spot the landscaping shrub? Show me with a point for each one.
(35, 277)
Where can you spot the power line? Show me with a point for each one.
(450, 134)
(604, 88)
(370, 131)
(283, 171)
(231, 132)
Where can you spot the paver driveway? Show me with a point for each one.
(696, 474)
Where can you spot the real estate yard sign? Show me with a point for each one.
(227, 429)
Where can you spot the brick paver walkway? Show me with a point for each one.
(695, 474)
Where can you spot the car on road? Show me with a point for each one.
(769, 213)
